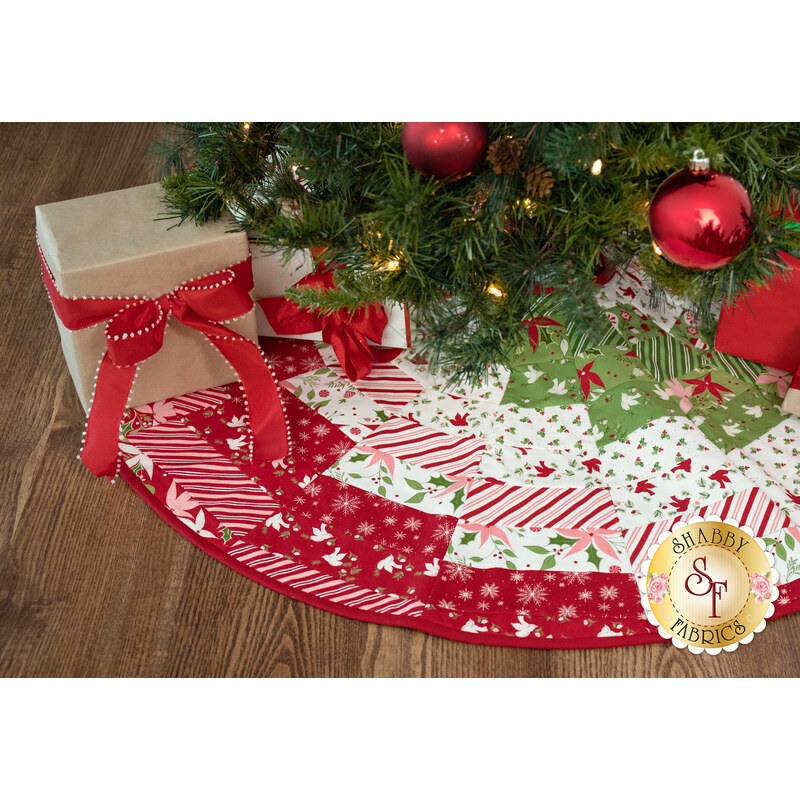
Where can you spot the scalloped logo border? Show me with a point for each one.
(648, 606)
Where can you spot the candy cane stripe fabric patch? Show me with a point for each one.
(523, 512)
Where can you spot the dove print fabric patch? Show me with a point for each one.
(519, 512)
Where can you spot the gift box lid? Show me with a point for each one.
(764, 326)
(115, 243)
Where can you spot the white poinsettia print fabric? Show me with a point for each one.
(517, 512)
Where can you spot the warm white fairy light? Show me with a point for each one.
(392, 265)
(597, 167)
(529, 206)
(657, 249)
(495, 290)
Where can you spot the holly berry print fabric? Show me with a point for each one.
(514, 513)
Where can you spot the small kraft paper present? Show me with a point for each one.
(351, 336)
(148, 310)
(764, 326)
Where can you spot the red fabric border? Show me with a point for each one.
(368, 616)
(425, 626)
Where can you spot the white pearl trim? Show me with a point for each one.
(229, 278)
(183, 286)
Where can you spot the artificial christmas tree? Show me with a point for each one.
(474, 258)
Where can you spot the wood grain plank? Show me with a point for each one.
(93, 583)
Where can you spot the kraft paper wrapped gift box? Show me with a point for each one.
(272, 277)
(113, 244)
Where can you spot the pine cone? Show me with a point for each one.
(538, 182)
(505, 155)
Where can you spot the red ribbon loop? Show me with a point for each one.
(135, 331)
(346, 332)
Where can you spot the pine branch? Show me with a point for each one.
(441, 246)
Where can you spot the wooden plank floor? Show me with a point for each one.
(93, 583)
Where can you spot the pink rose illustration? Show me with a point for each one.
(657, 588)
(760, 586)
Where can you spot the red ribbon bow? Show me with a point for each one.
(135, 331)
(347, 333)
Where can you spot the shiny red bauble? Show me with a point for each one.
(701, 219)
(445, 150)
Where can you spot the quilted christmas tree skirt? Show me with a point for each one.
(515, 514)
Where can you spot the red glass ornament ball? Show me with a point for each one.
(445, 150)
(701, 220)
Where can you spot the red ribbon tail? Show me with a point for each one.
(102, 430)
(267, 421)
(351, 348)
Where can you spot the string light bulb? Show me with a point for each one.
(246, 127)
(495, 290)
(597, 167)
(657, 249)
